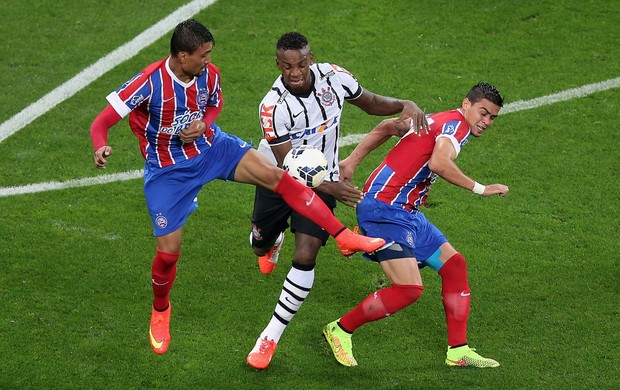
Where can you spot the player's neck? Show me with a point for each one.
(177, 70)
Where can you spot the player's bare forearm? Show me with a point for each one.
(375, 138)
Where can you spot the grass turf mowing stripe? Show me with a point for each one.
(345, 141)
(96, 70)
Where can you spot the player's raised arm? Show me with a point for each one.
(411, 116)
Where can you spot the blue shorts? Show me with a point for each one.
(171, 192)
(415, 234)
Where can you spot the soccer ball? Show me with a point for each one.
(307, 165)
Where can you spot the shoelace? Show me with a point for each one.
(264, 346)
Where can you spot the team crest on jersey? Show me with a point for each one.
(203, 98)
(326, 96)
(161, 221)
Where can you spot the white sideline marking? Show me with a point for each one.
(344, 141)
(522, 105)
(60, 185)
(93, 72)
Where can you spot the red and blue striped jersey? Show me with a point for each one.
(160, 105)
(403, 179)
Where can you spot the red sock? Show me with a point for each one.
(164, 271)
(380, 304)
(305, 201)
(456, 296)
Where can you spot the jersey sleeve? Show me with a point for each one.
(348, 81)
(215, 97)
(131, 94)
(457, 132)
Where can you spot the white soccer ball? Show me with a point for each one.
(307, 165)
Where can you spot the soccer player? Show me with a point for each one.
(304, 107)
(172, 105)
(394, 193)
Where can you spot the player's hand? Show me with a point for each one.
(101, 156)
(412, 118)
(343, 191)
(195, 130)
(347, 169)
(496, 189)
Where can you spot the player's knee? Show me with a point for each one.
(455, 266)
(272, 176)
(408, 293)
(305, 261)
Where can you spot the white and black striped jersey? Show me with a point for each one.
(312, 119)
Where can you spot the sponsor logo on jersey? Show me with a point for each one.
(327, 125)
(136, 100)
(266, 121)
(283, 97)
(328, 74)
(181, 122)
(450, 128)
(341, 69)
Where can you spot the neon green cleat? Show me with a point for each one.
(340, 343)
(466, 357)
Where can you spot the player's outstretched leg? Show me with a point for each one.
(159, 331)
(464, 356)
(261, 355)
(340, 343)
(305, 201)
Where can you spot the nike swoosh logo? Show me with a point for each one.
(155, 343)
(243, 145)
(461, 362)
(311, 199)
(167, 100)
(464, 294)
(298, 114)
(159, 284)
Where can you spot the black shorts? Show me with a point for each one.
(271, 214)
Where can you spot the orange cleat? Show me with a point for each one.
(261, 355)
(267, 263)
(159, 331)
(350, 242)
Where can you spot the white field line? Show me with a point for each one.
(522, 105)
(96, 70)
(344, 141)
